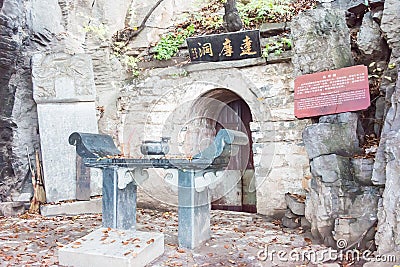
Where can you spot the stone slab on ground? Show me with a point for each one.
(72, 208)
(113, 247)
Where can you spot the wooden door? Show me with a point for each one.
(237, 116)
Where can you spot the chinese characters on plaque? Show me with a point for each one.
(331, 92)
(222, 47)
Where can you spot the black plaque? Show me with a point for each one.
(226, 46)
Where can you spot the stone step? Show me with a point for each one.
(117, 248)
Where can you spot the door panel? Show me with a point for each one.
(237, 116)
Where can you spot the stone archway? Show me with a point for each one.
(212, 111)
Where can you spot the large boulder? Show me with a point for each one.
(362, 169)
(331, 168)
(390, 25)
(321, 210)
(335, 134)
(370, 42)
(320, 36)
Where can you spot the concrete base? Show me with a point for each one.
(72, 208)
(117, 248)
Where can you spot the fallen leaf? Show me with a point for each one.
(127, 253)
(226, 246)
(308, 240)
(125, 243)
(181, 250)
(150, 241)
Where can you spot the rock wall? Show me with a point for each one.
(361, 180)
(331, 204)
(18, 111)
(386, 168)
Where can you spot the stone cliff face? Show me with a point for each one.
(338, 181)
(18, 111)
(387, 162)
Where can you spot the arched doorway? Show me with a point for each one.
(223, 108)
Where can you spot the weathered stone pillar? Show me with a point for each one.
(193, 211)
(63, 88)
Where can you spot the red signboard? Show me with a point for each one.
(331, 92)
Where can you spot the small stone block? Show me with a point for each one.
(290, 223)
(117, 248)
(8, 209)
(294, 205)
(289, 214)
(73, 208)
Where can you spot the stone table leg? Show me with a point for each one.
(193, 212)
(119, 205)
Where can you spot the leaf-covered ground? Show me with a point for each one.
(236, 239)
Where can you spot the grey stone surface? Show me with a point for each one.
(337, 137)
(331, 168)
(370, 42)
(320, 36)
(193, 212)
(43, 22)
(389, 25)
(273, 28)
(291, 222)
(105, 247)
(59, 77)
(289, 214)
(353, 230)
(354, 6)
(8, 209)
(388, 213)
(305, 223)
(379, 115)
(73, 208)
(390, 127)
(294, 205)
(56, 123)
(362, 169)
(119, 205)
(18, 118)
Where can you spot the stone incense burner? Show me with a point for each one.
(151, 147)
